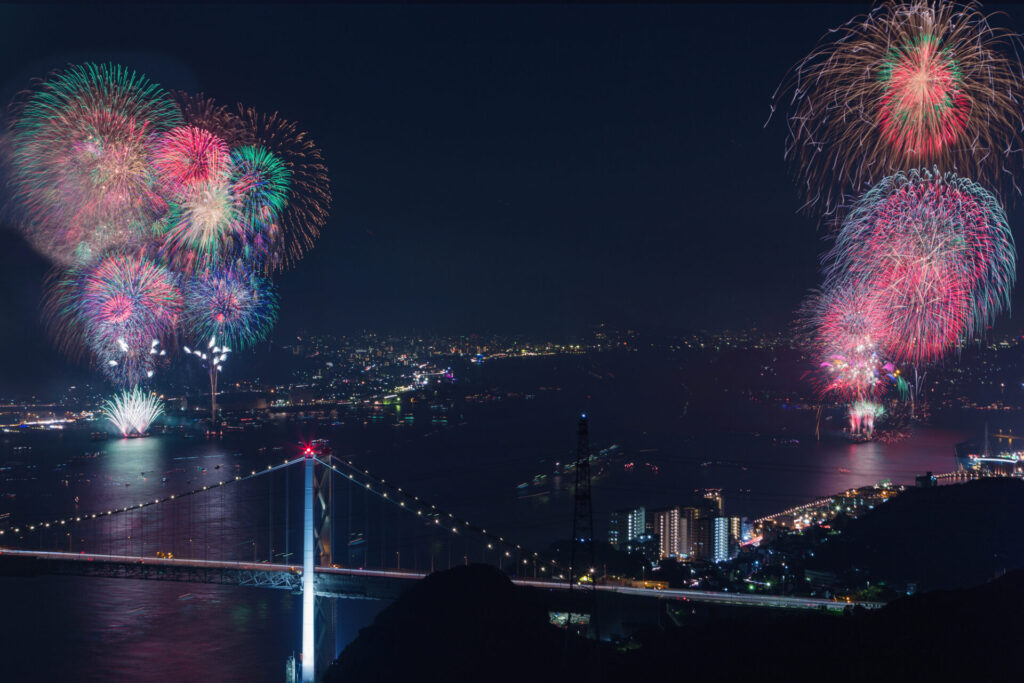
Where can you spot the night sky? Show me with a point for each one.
(498, 168)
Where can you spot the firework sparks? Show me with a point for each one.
(132, 411)
(187, 159)
(935, 257)
(907, 85)
(116, 310)
(305, 214)
(203, 112)
(845, 330)
(260, 181)
(231, 304)
(79, 160)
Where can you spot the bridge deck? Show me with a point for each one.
(341, 582)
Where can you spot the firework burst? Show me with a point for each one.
(907, 85)
(187, 159)
(132, 411)
(933, 255)
(205, 230)
(79, 160)
(231, 305)
(301, 220)
(260, 182)
(844, 330)
(117, 310)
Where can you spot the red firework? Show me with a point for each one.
(187, 158)
(935, 257)
(924, 108)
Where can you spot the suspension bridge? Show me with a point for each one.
(239, 531)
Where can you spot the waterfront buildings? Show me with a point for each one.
(625, 526)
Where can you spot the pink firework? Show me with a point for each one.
(935, 257)
(846, 330)
(187, 158)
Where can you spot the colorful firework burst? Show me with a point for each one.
(844, 330)
(862, 416)
(205, 230)
(232, 305)
(309, 198)
(260, 182)
(79, 160)
(118, 310)
(132, 411)
(908, 84)
(187, 159)
(935, 257)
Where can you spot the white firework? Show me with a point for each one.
(133, 410)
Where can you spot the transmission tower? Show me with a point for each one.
(581, 558)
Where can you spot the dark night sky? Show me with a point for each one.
(495, 168)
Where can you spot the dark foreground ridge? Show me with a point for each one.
(471, 624)
(464, 624)
(938, 538)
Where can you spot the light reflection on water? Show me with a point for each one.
(136, 630)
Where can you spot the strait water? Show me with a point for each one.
(469, 457)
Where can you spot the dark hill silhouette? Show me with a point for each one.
(945, 537)
(962, 635)
(467, 624)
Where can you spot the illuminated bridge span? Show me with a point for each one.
(374, 542)
(341, 582)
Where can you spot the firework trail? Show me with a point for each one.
(905, 86)
(232, 305)
(79, 160)
(200, 111)
(132, 411)
(305, 214)
(934, 256)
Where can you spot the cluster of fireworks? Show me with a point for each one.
(913, 107)
(165, 215)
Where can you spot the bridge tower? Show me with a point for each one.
(581, 557)
(308, 595)
(326, 608)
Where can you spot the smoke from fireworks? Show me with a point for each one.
(132, 411)
(907, 85)
(79, 157)
(933, 256)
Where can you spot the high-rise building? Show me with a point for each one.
(667, 526)
(692, 537)
(719, 539)
(636, 525)
(626, 526)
